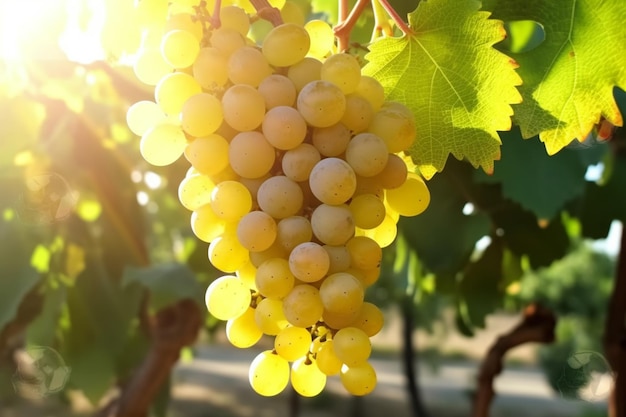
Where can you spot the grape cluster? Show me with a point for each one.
(297, 181)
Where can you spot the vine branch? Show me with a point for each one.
(402, 25)
(268, 12)
(345, 26)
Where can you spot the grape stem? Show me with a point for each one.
(344, 27)
(402, 25)
(265, 11)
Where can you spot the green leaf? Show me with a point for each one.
(93, 372)
(540, 183)
(168, 283)
(569, 78)
(43, 330)
(458, 86)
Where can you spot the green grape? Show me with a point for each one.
(227, 40)
(201, 115)
(384, 234)
(251, 155)
(211, 68)
(370, 319)
(332, 181)
(208, 155)
(292, 13)
(243, 107)
(298, 162)
(322, 37)
(358, 379)
(205, 224)
(342, 70)
(395, 125)
(150, 66)
(277, 90)
(284, 127)
(306, 378)
(358, 113)
(394, 174)
(342, 293)
(304, 72)
(332, 225)
(280, 197)
(352, 346)
(256, 231)
(332, 140)
(231, 200)
(309, 262)
(142, 115)
(269, 316)
(292, 342)
(194, 191)
(180, 48)
(411, 198)
(326, 359)
(367, 154)
(339, 258)
(242, 331)
(247, 273)
(367, 210)
(321, 103)
(364, 252)
(274, 279)
(162, 144)
(370, 89)
(173, 90)
(227, 297)
(303, 306)
(227, 254)
(236, 18)
(286, 44)
(269, 374)
(186, 22)
(292, 231)
(240, 63)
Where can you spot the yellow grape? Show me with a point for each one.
(358, 114)
(173, 90)
(332, 140)
(292, 13)
(358, 379)
(186, 22)
(342, 293)
(284, 127)
(370, 319)
(227, 40)
(411, 198)
(162, 144)
(269, 374)
(227, 254)
(240, 63)
(209, 154)
(211, 68)
(394, 174)
(242, 331)
(332, 225)
(251, 155)
(352, 346)
(280, 197)
(292, 342)
(274, 251)
(231, 200)
(326, 359)
(395, 125)
(227, 297)
(142, 115)
(236, 18)
(322, 37)
(304, 72)
(370, 89)
(309, 262)
(367, 154)
(367, 210)
(150, 66)
(277, 90)
(201, 115)
(297, 163)
(286, 44)
(194, 191)
(306, 378)
(180, 48)
(384, 234)
(332, 181)
(243, 107)
(247, 273)
(303, 306)
(274, 279)
(205, 224)
(292, 231)
(269, 316)
(256, 231)
(339, 258)
(342, 70)
(364, 252)
(321, 103)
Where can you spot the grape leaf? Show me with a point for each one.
(568, 78)
(458, 86)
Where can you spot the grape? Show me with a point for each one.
(342, 293)
(322, 37)
(269, 373)
(411, 198)
(244, 107)
(364, 252)
(269, 316)
(208, 155)
(277, 90)
(303, 306)
(292, 231)
(180, 48)
(231, 200)
(251, 155)
(332, 181)
(274, 251)
(326, 359)
(367, 154)
(339, 258)
(370, 319)
(321, 103)
(186, 22)
(227, 40)
(298, 162)
(247, 274)
(227, 297)
(253, 184)
(195, 191)
(358, 114)
(292, 12)
(286, 44)
(162, 144)
(280, 197)
(256, 231)
(367, 210)
(201, 115)
(371, 90)
(173, 90)
(332, 140)
(394, 174)
(342, 70)
(206, 225)
(284, 127)
(227, 254)
(142, 115)
(352, 346)
(384, 234)
(292, 342)
(304, 72)
(210, 68)
(274, 279)
(306, 378)
(359, 379)
(235, 18)
(309, 262)
(242, 331)
(150, 66)
(332, 225)
(339, 320)
(395, 125)
(240, 63)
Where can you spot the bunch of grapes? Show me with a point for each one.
(297, 181)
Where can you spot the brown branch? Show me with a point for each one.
(537, 325)
(402, 25)
(174, 327)
(30, 307)
(615, 335)
(345, 26)
(265, 11)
